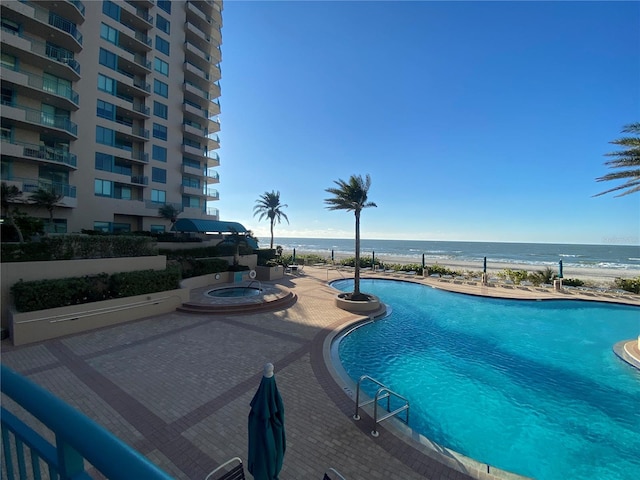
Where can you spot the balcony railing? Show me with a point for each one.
(41, 152)
(30, 185)
(78, 4)
(39, 47)
(55, 20)
(77, 438)
(48, 85)
(45, 119)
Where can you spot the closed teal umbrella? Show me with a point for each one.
(267, 442)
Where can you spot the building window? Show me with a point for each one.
(158, 196)
(161, 66)
(106, 84)
(160, 110)
(6, 134)
(10, 26)
(120, 228)
(102, 226)
(162, 45)
(156, 228)
(159, 153)
(111, 9)
(108, 59)
(159, 131)
(163, 24)
(192, 182)
(160, 88)
(102, 188)
(165, 5)
(110, 34)
(6, 96)
(104, 162)
(106, 110)
(105, 136)
(190, 202)
(122, 192)
(188, 162)
(159, 175)
(9, 61)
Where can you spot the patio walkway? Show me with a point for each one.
(177, 388)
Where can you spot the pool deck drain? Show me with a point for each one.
(177, 387)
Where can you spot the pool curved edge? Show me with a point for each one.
(399, 429)
(628, 351)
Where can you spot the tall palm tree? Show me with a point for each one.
(268, 205)
(352, 197)
(48, 199)
(9, 195)
(627, 159)
(169, 212)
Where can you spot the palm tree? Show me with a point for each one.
(169, 212)
(627, 159)
(268, 205)
(9, 195)
(48, 199)
(352, 197)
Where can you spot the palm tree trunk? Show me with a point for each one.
(356, 276)
(272, 222)
(12, 222)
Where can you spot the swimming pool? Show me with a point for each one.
(532, 387)
(234, 292)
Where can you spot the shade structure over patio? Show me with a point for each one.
(267, 443)
(203, 226)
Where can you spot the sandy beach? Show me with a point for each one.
(597, 276)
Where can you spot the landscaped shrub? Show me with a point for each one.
(127, 284)
(73, 247)
(572, 282)
(440, 270)
(265, 255)
(206, 266)
(516, 276)
(46, 294)
(54, 293)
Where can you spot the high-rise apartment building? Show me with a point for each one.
(113, 105)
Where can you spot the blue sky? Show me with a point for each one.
(477, 121)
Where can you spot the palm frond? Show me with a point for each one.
(628, 159)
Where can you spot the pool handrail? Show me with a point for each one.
(382, 393)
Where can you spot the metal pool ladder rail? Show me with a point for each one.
(382, 393)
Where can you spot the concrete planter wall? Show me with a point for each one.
(13, 272)
(41, 325)
(358, 307)
(269, 273)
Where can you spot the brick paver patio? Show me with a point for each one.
(177, 388)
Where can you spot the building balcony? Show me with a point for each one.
(139, 180)
(192, 191)
(199, 153)
(214, 107)
(130, 63)
(196, 94)
(197, 36)
(196, 56)
(55, 60)
(194, 112)
(193, 132)
(198, 17)
(213, 160)
(127, 108)
(214, 143)
(194, 172)
(213, 212)
(39, 88)
(70, 9)
(195, 71)
(48, 24)
(44, 122)
(134, 156)
(39, 154)
(212, 177)
(137, 17)
(211, 194)
(213, 125)
(130, 132)
(31, 185)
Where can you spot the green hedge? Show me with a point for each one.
(46, 294)
(73, 247)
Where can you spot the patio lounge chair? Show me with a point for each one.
(227, 471)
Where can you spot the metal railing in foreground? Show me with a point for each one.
(77, 438)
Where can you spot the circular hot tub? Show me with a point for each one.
(234, 292)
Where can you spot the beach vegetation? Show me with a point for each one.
(352, 196)
(573, 282)
(626, 162)
(516, 276)
(539, 277)
(268, 206)
(441, 270)
(628, 284)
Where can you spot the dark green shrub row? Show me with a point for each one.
(572, 282)
(46, 294)
(192, 267)
(73, 247)
(265, 255)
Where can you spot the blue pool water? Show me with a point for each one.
(233, 292)
(530, 387)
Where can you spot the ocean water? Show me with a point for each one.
(617, 257)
